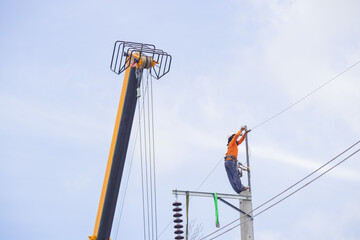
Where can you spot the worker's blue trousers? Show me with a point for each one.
(233, 175)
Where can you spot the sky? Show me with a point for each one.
(235, 63)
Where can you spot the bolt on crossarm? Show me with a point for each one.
(131, 58)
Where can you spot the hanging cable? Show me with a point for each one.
(267, 120)
(153, 148)
(142, 177)
(271, 206)
(338, 75)
(150, 164)
(289, 189)
(147, 155)
(303, 98)
(146, 165)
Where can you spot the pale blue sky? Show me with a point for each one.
(234, 63)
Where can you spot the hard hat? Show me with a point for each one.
(230, 135)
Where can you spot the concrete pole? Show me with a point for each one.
(246, 227)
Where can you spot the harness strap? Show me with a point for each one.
(230, 157)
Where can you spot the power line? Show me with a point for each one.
(318, 88)
(272, 117)
(148, 167)
(292, 193)
(153, 149)
(303, 98)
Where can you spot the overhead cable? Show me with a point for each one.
(289, 195)
(148, 165)
(267, 120)
(303, 98)
(292, 193)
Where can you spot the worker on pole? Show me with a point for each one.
(231, 162)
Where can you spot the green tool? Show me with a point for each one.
(216, 210)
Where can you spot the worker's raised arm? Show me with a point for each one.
(243, 136)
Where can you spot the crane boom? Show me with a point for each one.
(131, 58)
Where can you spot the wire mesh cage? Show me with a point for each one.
(126, 54)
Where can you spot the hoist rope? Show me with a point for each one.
(142, 179)
(153, 149)
(146, 165)
(306, 96)
(292, 193)
(147, 155)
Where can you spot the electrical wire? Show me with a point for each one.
(148, 171)
(142, 182)
(289, 189)
(150, 167)
(153, 150)
(287, 108)
(274, 116)
(146, 168)
(269, 119)
(286, 197)
(303, 98)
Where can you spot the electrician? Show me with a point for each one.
(231, 162)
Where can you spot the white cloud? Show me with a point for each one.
(279, 156)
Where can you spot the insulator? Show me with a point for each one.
(179, 237)
(178, 220)
(176, 204)
(177, 209)
(179, 231)
(177, 215)
(178, 226)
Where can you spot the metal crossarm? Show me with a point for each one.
(237, 209)
(208, 194)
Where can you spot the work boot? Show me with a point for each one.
(244, 189)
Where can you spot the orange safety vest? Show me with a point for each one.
(233, 145)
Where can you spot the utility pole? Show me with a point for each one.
(247, 228)
(245, 201)
(247, 157)
(246, 219)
